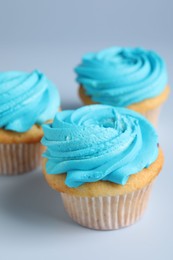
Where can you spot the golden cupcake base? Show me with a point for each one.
(104, 205)
(149, 108)
(152, 115)
(105, 188)
(21, 152)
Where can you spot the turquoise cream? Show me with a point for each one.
(99, 142)
(122, 76)
(26, 99)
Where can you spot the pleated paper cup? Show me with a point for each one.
(16, 159)
(107, 212)
(105, 205)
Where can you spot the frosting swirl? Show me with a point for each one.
(122, 76)
(26, 99)
(99, 142)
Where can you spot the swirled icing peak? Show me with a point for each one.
(99, 142)
(26, 99)
(122, 76)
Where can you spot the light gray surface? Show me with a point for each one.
(52, 36)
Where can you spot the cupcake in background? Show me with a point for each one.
(125, 77)
(27, 100)
(103, 160)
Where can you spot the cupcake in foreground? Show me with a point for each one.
(125, 77)
(26, 101)
(103, 160)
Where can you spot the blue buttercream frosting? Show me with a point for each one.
(122, 76)
(99, 142)
(26, 99)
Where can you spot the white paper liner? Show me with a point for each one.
(109, 212)
(16, 159)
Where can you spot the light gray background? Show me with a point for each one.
(52, 36)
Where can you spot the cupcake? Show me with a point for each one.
(125, 77)
(103, 160)
(27, 100)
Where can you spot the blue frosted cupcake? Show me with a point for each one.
(126, 77)
(103, 160)
(27, 100)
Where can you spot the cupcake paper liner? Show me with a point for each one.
(16, 159)
(108, 212)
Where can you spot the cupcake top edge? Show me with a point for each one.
(26, 99)
(122, 76)
(99, 142)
